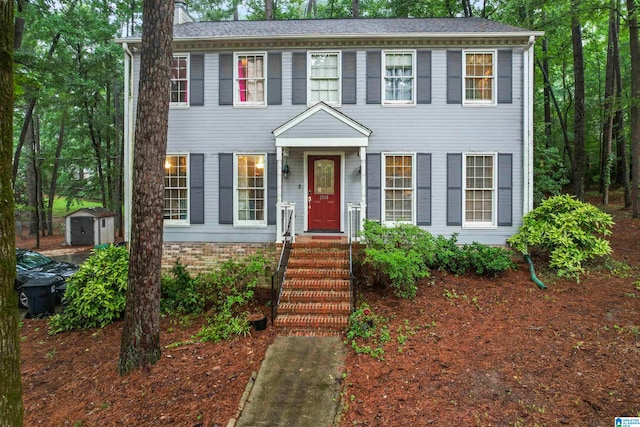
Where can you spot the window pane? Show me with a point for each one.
(175, 188)
(479, 76)
(250, 188)
(398, 79)
(399, 190)
(250, 79)
(479, 192)
(179, 80)
(324, 78)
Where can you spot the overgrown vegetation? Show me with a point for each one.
(402, 255)
(570, 231)
(96, 294)
(367, 332)
(222, 295)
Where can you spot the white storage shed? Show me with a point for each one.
(90, 227)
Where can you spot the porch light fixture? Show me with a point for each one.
(285, 170)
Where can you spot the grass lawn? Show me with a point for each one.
(60, 206)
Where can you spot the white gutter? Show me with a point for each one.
(128, 141)
(307, 36)
(527, 127)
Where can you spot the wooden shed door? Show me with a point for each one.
(324, 193)
(82, 231)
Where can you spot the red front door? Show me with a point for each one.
(323, 202)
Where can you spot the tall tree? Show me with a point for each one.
(140, 344)
(579, 105)
(610, 92)
(11, 408)
(634, 47)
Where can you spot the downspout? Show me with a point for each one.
(533, 273)
(527, 125)
(128, 141)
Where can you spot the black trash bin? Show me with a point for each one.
(41, 293)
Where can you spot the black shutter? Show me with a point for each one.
(423, 176)
(196, 188)
(272, 188)
(197, 80)
(454, 77)
(225, 195)
(226, 79)
(423, 88)
(505, 189)
(299, 79)
(349, 70)
(274, 78)
(505, 80)
(374, 188)
(374, 79)
(454, 189)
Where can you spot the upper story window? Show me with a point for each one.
(180, 79)
(398, 68)
(399, 191)
(250, 79)
(324, 77)
(176, 189)
(479, 181)
(250, 191)
(479, 77)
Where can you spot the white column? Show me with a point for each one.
(363, 185)
(279, 195)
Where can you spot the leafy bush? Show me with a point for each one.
(449, 256)
(568, 230)
(487, 259)
(179, 292)
(399, 253)
(226, 292)
(96, 294)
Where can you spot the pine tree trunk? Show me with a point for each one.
(634, 47)
(140, 344)
(610, 93)
(11, 408)
(579, 107)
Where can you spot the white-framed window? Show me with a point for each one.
(324, 71)
(176, 189)
(180, 80)
(250, 74)
(479, 83)
(479, 197)
(398, 70)
(399, 187)
(250, 189)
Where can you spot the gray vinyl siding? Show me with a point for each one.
(437, 128)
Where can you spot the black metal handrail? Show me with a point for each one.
(278, 276)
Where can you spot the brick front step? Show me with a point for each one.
(316, 273)
(308, 295)
(302, 308)
(294, 322)
(320, 261)
(313, 253)
(316, 285)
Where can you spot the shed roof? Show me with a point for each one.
(96, 212)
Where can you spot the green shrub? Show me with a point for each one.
(550, 173)
(96, 294)
(400, 253)
(449, 256)
(179, 292)
(568, 230)
(226, 293)
(488, 260)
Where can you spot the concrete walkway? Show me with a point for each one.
(297, 385)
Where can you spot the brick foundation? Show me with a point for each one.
(204, 256)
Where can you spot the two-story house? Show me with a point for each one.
(421, 121)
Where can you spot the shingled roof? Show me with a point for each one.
(308, 28)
